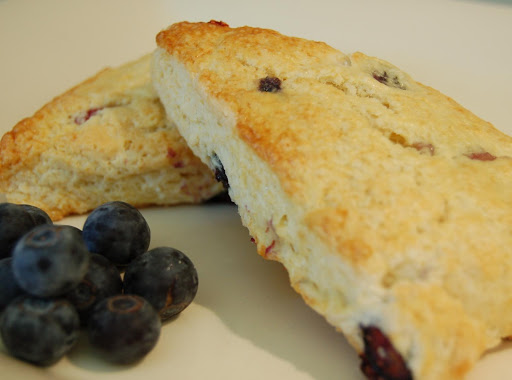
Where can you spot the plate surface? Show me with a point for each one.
(246, 322)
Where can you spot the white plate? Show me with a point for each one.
(246, 322)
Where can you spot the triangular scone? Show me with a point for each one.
(389, 204)
(105, 139)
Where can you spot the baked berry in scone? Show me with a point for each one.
(389, 204)
(106, 139)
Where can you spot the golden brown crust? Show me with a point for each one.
(106, 138)
(387, 201)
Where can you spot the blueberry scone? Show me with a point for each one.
(389, 204)
(106, 139)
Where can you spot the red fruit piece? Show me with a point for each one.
(82, 117)
(380, 360)
(481, 156)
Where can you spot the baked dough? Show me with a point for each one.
(389, 204)
(105, 139)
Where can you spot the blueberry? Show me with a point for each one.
(165, 277)
(8, 285)
(15, 221)
(270, 84)
(39, 216)
(102, 280)
(39, 330)
(50, 260)
(380, 359)
(118, 231)
(219, 172)
(124, 328)
(384, 78)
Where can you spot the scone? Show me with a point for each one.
(389, 204)
(106, 139)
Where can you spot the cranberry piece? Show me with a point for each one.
(380, 360)
(270, 84)
(382, 78)
(481, 156)
(84, 116)
(270, 247)
(218, 23)
(388, 81)
(171, 153)
(424, 148)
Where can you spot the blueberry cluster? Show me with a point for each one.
(55, 279)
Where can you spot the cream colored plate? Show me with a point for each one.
(246, 322)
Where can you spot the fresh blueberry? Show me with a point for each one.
(124, 328)
(50, 260)
(117, 231)
(8, 285)
(39, 216)
(165, 277)
(39, 330)
(102, 280)
(15, 221)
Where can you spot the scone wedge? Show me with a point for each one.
(106, 139)
(389, 204)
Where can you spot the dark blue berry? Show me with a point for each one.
(102, 280)
(39, 216)
(117, 231)
(124, 328)
(383, 78)
(50, 260)
(270, 84)
(9, 288)
(15, 221)
(165, 277)
(219, 172)
(39, 330)
(380, 359)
